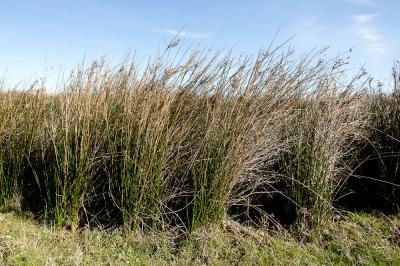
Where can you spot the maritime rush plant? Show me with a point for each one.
(186, 140)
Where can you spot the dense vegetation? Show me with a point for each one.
(192, 139)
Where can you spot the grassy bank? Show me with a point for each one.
(358, 239)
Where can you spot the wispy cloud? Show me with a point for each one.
(309, 30)
(187, 34)
(362, 2)
(369, 34)
(363, 18)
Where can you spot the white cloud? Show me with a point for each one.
(379, 49)
(363, 18)
(362, 2)
(187, 34)
(309, 30)
(369, 34)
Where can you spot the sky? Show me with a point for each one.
(49, 37)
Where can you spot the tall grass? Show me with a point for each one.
(376, 178)
(321, 137)
(182, 141)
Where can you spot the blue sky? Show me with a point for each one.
(43, 36)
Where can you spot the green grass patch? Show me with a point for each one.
(358, 239)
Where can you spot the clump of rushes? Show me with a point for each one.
(180, 141)
(383, 152)
(328, 121)
(18, 126)
(62, 161)
(375, 180)
(386, 135)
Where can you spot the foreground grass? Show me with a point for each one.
(358, 239)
